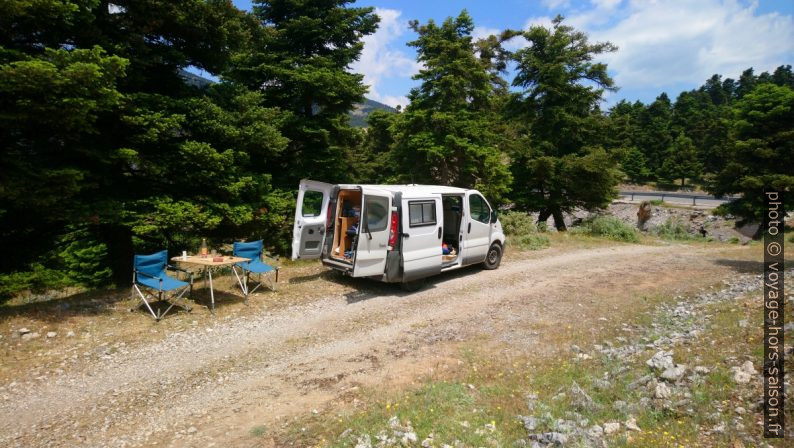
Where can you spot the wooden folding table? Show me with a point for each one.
(208, 264)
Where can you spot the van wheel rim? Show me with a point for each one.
(492, 256)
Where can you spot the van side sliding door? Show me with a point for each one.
(373, 237)
(477, 228)
(422, 221)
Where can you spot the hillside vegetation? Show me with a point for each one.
(107, 150)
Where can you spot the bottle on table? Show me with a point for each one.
(203, 250)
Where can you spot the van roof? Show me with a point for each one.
(412, 189)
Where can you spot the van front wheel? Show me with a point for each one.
(494, 257)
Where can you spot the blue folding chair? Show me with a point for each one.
(253, 252)
(149, 273)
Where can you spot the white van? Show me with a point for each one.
(395, 233)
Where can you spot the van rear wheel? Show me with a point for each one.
(494, 257)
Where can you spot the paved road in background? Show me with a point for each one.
(675, 197)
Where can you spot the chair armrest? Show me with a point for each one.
(174, 268)
(137, 272)
(266, 254)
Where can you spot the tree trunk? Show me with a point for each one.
(543, 216)
(559, 220)
(118, 240)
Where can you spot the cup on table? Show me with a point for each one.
(214, 252)
(184, 255)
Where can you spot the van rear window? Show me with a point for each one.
(421, 213)
(376, 209)
(312, 203)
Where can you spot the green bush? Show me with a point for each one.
(84, 259)
(517, 223)
(522, 232)
(608, 227)
(78, 259)
(656, 202)
(674, 229)
(36, 279)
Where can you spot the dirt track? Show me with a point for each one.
(210, 385)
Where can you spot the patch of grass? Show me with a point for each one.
(608, 227)
(522, 232)
(449, 410)
(656, 202)
(258, 430)
(675, 229)
(530, 241)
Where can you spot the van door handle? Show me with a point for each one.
(469, 228)
(439, 232)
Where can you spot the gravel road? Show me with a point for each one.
(210, 385)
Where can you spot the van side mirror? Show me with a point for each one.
(493, 216)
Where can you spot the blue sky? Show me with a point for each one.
(669, 46)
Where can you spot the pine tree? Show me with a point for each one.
(681, 161)
(656, 135)
(762, 153)
(561, 87)
(300, 61)
(446, 134)
(100, 131)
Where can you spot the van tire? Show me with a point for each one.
(413, 286)
(494, 257)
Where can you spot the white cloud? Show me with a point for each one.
(606, 4)
(544, 21)
(481, 32)
(554, 4)
(379, 60)
(666, 43)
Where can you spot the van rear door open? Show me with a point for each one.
(311, 213)
(373, 237)
(421, 237)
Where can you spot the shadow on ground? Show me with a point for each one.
(369, 289)
(89, 303)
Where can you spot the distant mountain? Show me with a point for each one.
(194, 80)
(358, 116)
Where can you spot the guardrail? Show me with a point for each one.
(680, 195)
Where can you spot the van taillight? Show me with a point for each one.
(393, 230)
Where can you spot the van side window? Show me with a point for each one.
(421, 213)
(312, 202)
(478, 209)
(376, 210)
